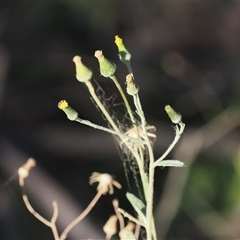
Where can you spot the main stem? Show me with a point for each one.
(150, 228)
(139, 159)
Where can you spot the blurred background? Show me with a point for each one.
(186, 54)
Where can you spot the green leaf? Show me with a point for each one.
(138, 205)
(169, 163)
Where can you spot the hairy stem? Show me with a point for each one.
(150, 228)
(178, 132)
(100, 105)
(129, 67)
(129, 110)
(133, 120)
(93, 125)
(138, 158)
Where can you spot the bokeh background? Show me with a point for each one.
(184, 53)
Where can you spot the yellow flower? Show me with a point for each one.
(118, 41)
(124, 55)
(70, 112)
(62, 104)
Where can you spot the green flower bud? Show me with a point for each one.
(132, 88)
(83, 74)
(107, 68)
(124, 55)
(70, 112)
(174, 116)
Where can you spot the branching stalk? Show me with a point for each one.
(178, 132)
(81, 216)
(51, 224)
(138, 158)
(146, 220)
(93, 125)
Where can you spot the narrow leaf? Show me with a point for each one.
(138, 205)
(169, 163)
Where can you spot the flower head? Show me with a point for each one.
(132, 88)
(110, 227)
(127, 232)
(107, 68)
(106, 182)
(62, 104)
(24, 170)
(70, 112)
(124, 55)
(174, 116)
(83, 74)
